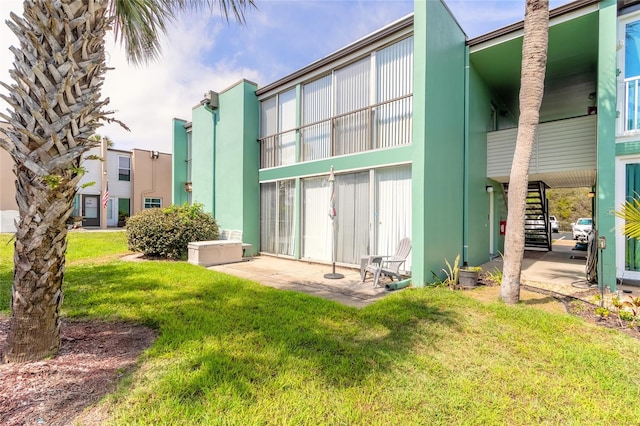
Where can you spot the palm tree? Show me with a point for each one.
(55, 106)
(630, 213)
(534, 60)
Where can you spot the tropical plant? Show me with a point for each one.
(534, 59)
(630, 213)
(55, 106)
(452, 272)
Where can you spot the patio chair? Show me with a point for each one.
(387, 265)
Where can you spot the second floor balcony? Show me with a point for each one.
(383, 125)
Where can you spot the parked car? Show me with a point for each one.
(581, 228)
(555, 225)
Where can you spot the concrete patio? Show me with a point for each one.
(307, 277)
(560, 271)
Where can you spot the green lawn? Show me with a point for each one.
(233, 352)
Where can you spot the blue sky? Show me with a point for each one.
(204, 53)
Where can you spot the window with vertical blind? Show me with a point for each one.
(362, 225)
(278, 129)
(315, 221)
(352, 96)
(364, 105)
(277, 220)
(352, 219)
(317, 109)
(394, 82)
(393, 209)
(286, 127)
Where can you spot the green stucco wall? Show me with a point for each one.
(605, 191)
(370, 159)
(237, 199)
(179, 167)
(225, 159)
(479, 122)
(203, 121)
(438, 139)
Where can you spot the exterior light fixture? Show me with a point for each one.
(591, 194)
(188, 186)
(489, 189)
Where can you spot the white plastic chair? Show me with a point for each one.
(388, 265)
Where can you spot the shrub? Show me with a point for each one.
(166, 232)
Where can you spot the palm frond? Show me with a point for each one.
(139, 24)
(630, 212)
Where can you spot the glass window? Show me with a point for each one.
(277, 209)
(316, 131)
(152, 203)
(632, 75)
(286, 124)
(353, 87)
(632, 50)
(124, 168)
(76, 206)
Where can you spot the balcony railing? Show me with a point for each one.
(382, 125)
(631, 107)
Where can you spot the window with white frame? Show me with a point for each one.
(278, 129)
(317, 107)
(277, 210)
(629, 65)
(152, 203)
(124, 168)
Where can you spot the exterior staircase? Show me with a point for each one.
(537, 229)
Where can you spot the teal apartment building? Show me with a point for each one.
(419, 123)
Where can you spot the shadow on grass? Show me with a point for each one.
(220, 330)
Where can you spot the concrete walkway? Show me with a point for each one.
(561, 270)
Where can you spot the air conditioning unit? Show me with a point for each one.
(212, 99)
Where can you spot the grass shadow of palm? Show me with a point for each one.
(222, 331)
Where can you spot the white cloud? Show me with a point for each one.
(146, 98)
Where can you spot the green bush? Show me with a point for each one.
(166, 232)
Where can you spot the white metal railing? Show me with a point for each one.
(631, 107)
(381, 125)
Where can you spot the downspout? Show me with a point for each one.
(465, 182)
(214, 118)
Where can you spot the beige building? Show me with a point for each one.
(8, 205)
(136, 180)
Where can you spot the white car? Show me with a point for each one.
(581, 228)
(555, 225)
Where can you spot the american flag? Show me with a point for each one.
(105, 196)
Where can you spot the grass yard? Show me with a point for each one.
(231, 351)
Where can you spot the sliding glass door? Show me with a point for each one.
(277, 213)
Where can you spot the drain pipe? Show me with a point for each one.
(214, 117)
(465, 181)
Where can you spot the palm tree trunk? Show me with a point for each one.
(56, 106)
(534, 60)
(39, 263)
